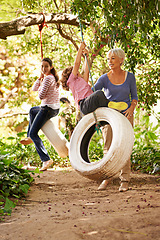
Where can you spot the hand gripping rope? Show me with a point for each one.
(97, 127)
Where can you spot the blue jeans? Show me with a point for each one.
(38, 117)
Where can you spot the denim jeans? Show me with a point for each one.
(38, 117)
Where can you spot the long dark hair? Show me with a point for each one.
(65, 75)
(53, 71)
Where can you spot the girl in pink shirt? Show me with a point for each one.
(48, 91)
(86, 100)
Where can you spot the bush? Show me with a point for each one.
(146, 152)
(14, 181)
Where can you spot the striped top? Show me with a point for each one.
(48, 91)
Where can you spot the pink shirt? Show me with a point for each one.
(79, 87)
(48, 91)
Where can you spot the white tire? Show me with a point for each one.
(118, 154)
(56, 138)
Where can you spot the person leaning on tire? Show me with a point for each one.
(119, 86)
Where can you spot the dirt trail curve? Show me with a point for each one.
(62, 205)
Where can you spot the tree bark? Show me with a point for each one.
(18, 26)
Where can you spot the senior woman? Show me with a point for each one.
(119, 86)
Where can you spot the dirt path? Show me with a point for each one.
(62, 205)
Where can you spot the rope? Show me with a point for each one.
(97, 127)
(41, 26)
(80, 24)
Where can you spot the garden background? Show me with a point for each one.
(131, 25)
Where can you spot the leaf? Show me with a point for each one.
(151, 135)
(24, 188)
(11, 138)
(9, 205)
(36, 170)
(20, 134)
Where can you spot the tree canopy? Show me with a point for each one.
(132, 25)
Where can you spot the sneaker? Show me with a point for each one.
(26, 141)
(120, 106)
(46, 165)
(123, 187)
(103, 185)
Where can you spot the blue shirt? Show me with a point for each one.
(124, 92)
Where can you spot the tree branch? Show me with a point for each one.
(17, 26)
(2, 104)
(13, 114)
(66, 36)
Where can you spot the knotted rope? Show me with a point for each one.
(41, 26)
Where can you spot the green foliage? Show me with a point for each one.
(133, 26)
(9, 9)
(146, 160)
(149, 86)
(96, 147)
(68, 116)
(28, 154)
(146, 151)
(14, 181)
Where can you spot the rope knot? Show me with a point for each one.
(41, 26)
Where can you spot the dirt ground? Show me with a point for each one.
(63, 205)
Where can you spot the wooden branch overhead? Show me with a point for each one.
(18, 26)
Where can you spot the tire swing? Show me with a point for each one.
(53, 134)
(56, 138)
(118, 154)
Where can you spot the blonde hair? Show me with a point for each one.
(118, 52)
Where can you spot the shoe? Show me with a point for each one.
(26, 141)
(103, 185)
(46, 165)
(124, 187)
(120, 106)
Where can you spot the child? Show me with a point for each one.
(86, 100)
(48, 90)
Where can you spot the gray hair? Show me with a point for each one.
(118, 52)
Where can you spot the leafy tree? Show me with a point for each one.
(132, 25)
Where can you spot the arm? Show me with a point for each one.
(86, 69)
(129, 112)
(37, 83)
(44, 89)
(99, 84)
(78, 59)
